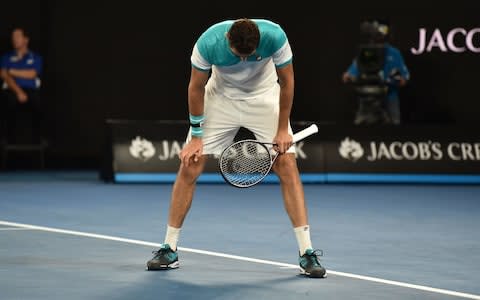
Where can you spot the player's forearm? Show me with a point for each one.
(196, 100)
(286, 82)
(12, 85)
(196, 92)
(286, 102)
(26, 74)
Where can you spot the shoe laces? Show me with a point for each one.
(161, 251)
(314, 255)
(317, 252)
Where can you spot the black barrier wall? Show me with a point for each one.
(115, 60)
(143, 151)
(152, 147)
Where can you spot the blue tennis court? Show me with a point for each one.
(68, 235)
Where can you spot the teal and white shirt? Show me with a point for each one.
(232, 77)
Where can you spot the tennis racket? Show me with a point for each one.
(245, 163)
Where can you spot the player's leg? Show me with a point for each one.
(292, 189)
(294, 200)
(181, 199)
(182, 192)
(262, 120)
(219, 130)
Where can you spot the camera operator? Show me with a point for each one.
(377, 72)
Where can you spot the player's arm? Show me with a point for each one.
(287, 83)
(196, 92)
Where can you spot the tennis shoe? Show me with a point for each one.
(163, 259)
(310, 264)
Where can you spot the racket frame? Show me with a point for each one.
(296, 138)
(262, 144)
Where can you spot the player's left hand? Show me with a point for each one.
(283, 141)
(192, 151)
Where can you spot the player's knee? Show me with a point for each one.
(285, 165)
(192, 172)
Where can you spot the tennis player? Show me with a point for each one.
(241, 76)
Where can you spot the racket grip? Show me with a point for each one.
(305, 132)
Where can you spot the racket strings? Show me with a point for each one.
(245, 163)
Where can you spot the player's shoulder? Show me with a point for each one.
(269, 27)
(214, 35)
(272, 37)
(212, 44)
(216, 30)
(267, 23)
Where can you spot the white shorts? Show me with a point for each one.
(224, 117)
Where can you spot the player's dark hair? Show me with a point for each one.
(244, 36)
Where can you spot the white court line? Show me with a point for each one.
(243, 258)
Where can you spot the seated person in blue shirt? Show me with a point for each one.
(20, 72)
(394, 73)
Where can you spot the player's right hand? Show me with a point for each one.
(192, 151)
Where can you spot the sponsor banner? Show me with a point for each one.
(455, 40)
(403, 150)
(147, 151)
(153, 147)
(148, 146)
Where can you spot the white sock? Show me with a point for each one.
(171, 237)
(303, 238)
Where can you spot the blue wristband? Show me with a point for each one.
(196, 123)
(196, 119)
(197, 131)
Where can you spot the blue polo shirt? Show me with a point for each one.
(30, 60)
(393, 62)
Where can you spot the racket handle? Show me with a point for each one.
(305, 132)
